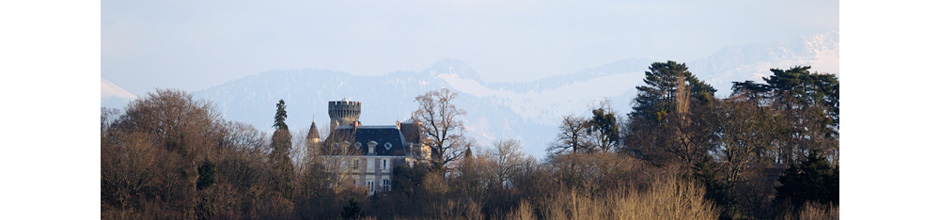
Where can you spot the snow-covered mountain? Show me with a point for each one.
(113, 96)
(529, 111)
(751, 62)
(491, 112)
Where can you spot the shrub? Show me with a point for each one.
(666, 198)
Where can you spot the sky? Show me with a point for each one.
(67, 35)
(193, 45)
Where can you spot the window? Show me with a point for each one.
(384, 164)
(356, 164)
(371, 186)
(388, 146)
(370, 166)
(386, 185)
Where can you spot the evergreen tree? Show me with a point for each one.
(656, 98)
(706, 172)
(352, 210)
(280, 151)
(662, 127)
(808, 106)
(750, 89)
(812, 180)
(280, 116)
(206, 174)
(797, 88)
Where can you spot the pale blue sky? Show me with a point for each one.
(193, 45)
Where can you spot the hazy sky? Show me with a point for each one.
(193, 45)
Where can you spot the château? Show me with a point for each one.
(368, 154)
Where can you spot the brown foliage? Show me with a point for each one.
(667, 198)
(150, 155)
(815, 211)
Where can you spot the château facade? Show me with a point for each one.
(373, 150)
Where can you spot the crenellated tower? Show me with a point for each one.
(344, 112)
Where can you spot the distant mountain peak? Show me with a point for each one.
(109, 89)
(528, 111)
(454, 66)
(753, 61)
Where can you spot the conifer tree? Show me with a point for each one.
(352, 210)
(812, 180)
(206, 174)
(280, 151)
(660, 129)
(657, 97)
(807, 104)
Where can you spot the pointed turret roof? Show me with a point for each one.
(313, 133)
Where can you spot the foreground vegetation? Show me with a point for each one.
(770, 151)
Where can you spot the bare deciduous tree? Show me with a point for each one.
(573, 135)
(331, 164)
(443, 126)
(183, 129)
(603, 130)
(507, 156)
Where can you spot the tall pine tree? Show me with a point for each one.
(657, 97)
(659, 128)
(280, 152)
(808, 106)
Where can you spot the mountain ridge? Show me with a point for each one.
(529, 111)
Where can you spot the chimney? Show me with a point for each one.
(398, 124)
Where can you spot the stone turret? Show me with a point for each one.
(344, 112)
(313, 136)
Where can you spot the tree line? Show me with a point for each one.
(769, 151)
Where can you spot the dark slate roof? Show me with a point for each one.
(380, 134)
(411, 132)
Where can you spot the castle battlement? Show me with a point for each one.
(344, 112)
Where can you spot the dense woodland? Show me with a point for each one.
(769, 151)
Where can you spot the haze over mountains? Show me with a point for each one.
(529, 111)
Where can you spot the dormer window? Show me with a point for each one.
(388, 146)
(372, 147)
